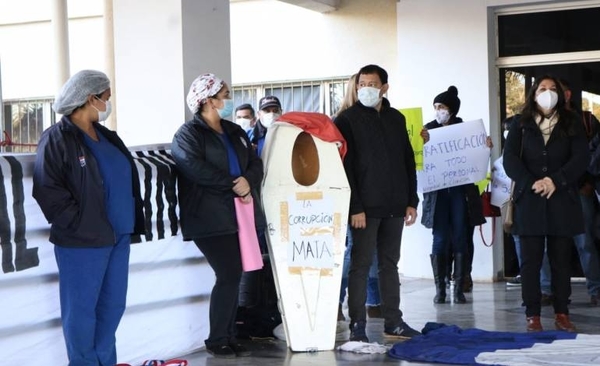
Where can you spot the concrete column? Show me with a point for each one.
(206, 40)
(109, 52)
(160, 47)
(60, 28)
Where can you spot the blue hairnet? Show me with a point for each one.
(76, 90)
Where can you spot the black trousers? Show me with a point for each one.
(385, 235)
(559, 255)
(223, 255)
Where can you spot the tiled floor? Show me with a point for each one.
(491, 306)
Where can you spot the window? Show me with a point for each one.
(549, 32)
(323, 96)
(24, 122)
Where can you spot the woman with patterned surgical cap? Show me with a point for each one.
(216, 163)
(87, 186)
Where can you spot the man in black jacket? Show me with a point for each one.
(380, 167)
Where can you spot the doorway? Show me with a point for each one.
(534, 42)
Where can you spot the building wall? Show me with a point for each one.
(449, 48)
(274, 41)
(27, 50)
(424, 45)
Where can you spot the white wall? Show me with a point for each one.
(160, 47)
(442, 44)
(148, 70)
(27, 49)
(273, 41)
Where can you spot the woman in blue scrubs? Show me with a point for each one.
(87, 186)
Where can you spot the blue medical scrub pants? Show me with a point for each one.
(93, 289)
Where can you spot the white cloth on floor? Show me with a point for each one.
(342, 331)
(362, 347)
(584, 350)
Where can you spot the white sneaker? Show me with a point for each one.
(279, 332)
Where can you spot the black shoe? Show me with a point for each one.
(459, 298)
(240, 350)
(402, 331)
(358, 332)
(220, 351)
(516, 281)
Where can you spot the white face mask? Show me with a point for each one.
(267, 119)
(369, 96)
(547, 100)
(103, 115)
(442, 116)
(244, 123)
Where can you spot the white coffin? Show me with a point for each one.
(305, 197)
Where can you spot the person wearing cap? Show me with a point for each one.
(246, 118)
(269, 110)
(380, 167)
(450, 212)
(216, 163)
(87, 185)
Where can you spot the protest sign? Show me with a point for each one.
(454, 155)
(414, 125)
(500, 184)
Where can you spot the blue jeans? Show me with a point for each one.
(373, 298)
(588, 255)
(93, 290)
(450, 222)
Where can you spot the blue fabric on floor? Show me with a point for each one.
(450, 344)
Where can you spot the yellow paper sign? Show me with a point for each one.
(414, 125)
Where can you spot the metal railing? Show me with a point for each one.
(25, 119)
(23, 124)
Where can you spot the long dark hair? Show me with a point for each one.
(566, 118)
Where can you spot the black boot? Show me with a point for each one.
(438, 264)
(459, 268)
(449, 259)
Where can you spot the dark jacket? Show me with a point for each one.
(259, 134)
(592, 132)
(380, 163)
(204, 183)
(68, 186)
(471, 193)
(564, 159)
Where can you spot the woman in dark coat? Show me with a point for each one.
(216, 163)
(545, 155)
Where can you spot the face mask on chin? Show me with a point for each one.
(369, 96)
(547, 100)
(267, 119)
